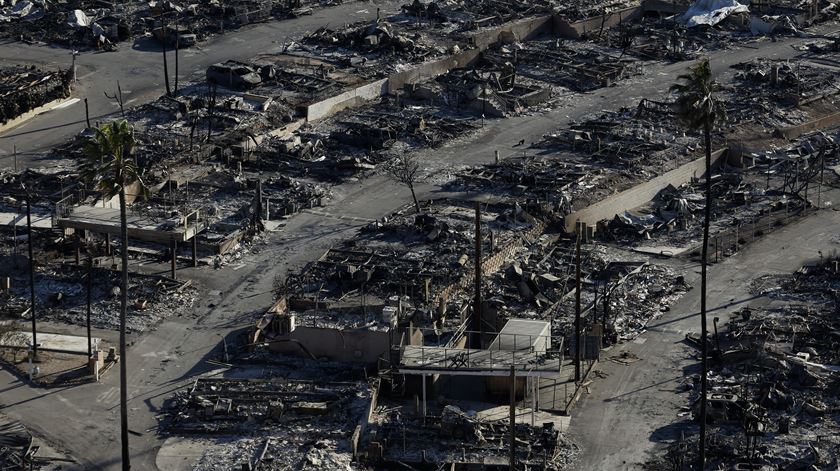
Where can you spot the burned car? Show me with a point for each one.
(234, 75)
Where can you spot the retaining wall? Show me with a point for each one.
(639, 194)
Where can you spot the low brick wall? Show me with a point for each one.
(492, 262)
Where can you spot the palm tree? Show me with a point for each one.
(698, 108)
(111, 169)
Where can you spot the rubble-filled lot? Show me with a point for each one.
(458, 16)
(20, 451)
(23, 89)
(277, 419)
(380, 47)
(412, 258)
(589, 160)
(456, 436)
(487, 89)
(619, 290)
(774, 383)
(666, 39)
(91, 24)
(579, 66)
(61, 296)
(748, 202)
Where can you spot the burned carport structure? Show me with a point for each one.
(106, 220)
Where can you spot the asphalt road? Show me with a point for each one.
(84, 420)
(138, 67)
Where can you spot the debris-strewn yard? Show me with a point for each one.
(61, 296)
(775, 377)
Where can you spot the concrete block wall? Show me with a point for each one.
(428, 70)
(795, 131)
(639, 194)
(574, 30)
(359, 346)
(523, 30)
(354, 97)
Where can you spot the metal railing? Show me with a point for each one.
(728, 242)
(526, 353)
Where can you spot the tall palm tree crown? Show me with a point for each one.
(696, 103)
(109, 165)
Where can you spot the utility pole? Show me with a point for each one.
(177, 46)
(577, 305)
(512, 418)
(31, 273)
(163, 48)
(74, 53)
(606, 304)
(89, 290)
(87, 114)
(477, 307)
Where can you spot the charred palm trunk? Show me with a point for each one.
(707, 130)
(126, 459)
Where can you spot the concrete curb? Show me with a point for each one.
(578, 389)
(34, 112)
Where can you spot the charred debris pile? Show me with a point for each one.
(61, 295)
(102, 24)
(383, 46)
(404, 267)
(23, 89)
(750, 198)
(275, 422)
(459, 15)
(775, 378)
(590, 159)
(619, 290)
(464, 438)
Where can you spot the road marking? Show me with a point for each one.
(640, 340)
(336, 216)
(67, 103)
(69, 404)
(108, 396)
